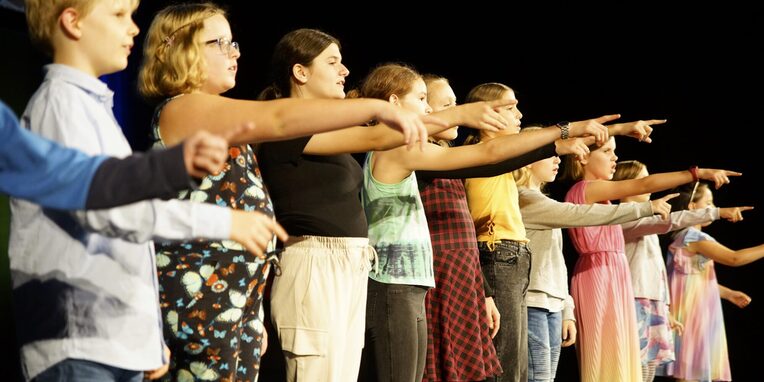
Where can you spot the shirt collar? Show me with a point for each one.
(84, 81)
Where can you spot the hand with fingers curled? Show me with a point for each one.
(662, 207)
(494, 318)
(206, 153)
(254, 231)
(718, 177)
(594, 127)
(639, 130)
(675, 325)
(409, 123)
(738, 298)
(575, 146)
(733, 214)
(568, 333)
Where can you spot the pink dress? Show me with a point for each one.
(607, 345)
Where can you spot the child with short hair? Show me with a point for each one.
(86, 305)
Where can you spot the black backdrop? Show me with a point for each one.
(700, 69)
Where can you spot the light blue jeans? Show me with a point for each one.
(544, 339)
(80, 370)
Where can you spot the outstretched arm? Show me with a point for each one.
(601, 190)
(283, 118)
(723, 255)
(360, 139)
(677, 220)
(542, 212)
(734, 296)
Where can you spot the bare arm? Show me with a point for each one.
(601, 190)
(394, 165)
(723, 255)
(734, 296)
(280, 119)
(360, 139)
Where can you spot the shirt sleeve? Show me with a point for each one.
(491, 170)
(282, 151)
(156, 174)
(156, 219)
(568, 310)
(677, 220)
(40, 170)
(542, 212)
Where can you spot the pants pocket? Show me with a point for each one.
(303, 342)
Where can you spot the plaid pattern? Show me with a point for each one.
(459, 346)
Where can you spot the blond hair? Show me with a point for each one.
(42, 18)
(628, 169)
(430, 78)
(484, 92)
(523, 174)
(572, 169)
(173, 62)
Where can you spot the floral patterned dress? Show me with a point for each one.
(211, 292)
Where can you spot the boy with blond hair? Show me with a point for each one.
(86, 304)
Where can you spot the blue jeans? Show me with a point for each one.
(544, 339)
(81, 370)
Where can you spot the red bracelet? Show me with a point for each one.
(694, 171)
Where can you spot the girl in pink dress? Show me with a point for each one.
(608, 345)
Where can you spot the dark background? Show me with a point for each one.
(698, 68)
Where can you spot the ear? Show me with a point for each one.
(584, 161)
(70, 23)
(300, 73)
(394, 100)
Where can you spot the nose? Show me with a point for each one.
(428, 109)
(344, 71)
(615, 158)
(556, 160)
(235, 53)
(134, 30)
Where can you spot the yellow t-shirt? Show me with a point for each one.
(495, 208)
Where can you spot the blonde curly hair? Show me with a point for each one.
(173, 62)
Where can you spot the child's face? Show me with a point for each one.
(326, 75)
(440, 97)
(220, 56)
(706, 199)
(511, 113)
(416, 99)
(600, 163)
(107, 34)
(545, 170)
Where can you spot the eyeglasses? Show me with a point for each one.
(226, 46)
